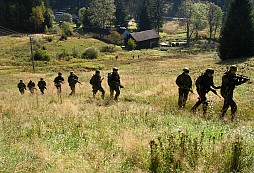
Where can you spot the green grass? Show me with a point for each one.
(46, 133)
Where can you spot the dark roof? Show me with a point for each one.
(144, 35)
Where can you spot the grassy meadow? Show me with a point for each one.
(143, 132)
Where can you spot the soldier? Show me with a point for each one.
(114, 83)
(58, 82)
(204, 84)
(31, 86)
(96, 84)
(42, 85)
(72, 80)
(229, 81)
(22, 87)
(184, 83)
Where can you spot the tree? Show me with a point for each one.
(157, 14)
(121, 13)
(214, 17)
(144, 17)
(237, 34)
(187, 13)
(115, 38)
(66, 17)
(84, 18)
(37, 17)
(101, 12)
(199, 20)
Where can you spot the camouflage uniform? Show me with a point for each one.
(21, 87)
(95, 81)
(72, 80)
(31, 86)
(114, 84)
(229, 82)
(42, 85)
(184, 83)
(204, 84)
(58, 82)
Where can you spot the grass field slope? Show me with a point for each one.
(143, 132)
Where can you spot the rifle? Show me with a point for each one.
(187, 88)
(78, 81)
(118, 84)
(215, 92)
(242, 78)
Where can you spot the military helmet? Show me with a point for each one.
(233, 68)
(209, 70)
(97, 71)
(59, 73)
(71, 72)
(186, 69)
(41, 78)
(115, 69)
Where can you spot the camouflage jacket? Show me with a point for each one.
(184, 81)
(204, 83)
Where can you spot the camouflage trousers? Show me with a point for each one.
(117, 90)
(201, 100)
(228, 101)
(98, 88)
(183, 96)
(73, 89)
(22, 91)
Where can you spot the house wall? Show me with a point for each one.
(148, 44)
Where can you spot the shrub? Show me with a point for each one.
(75, 53)
(66, 29)
(63, 37)
(62, 55)
(90, 53)
(49, 39)
(131, 45)
(41, 55)
(111, 48)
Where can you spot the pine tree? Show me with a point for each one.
(144, 16)
(121, 13)
(237, 34)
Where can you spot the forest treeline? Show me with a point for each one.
(36, 15)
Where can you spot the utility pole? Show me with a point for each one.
(32, 55)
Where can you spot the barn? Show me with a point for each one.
(145, 39)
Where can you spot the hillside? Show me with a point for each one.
(143, 132)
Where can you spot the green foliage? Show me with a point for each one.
(99, 13)
(121, 13)
(115, 38)
(131, 45)
(67, 28)
(41, 55)
(182, 152)
(151, 15)
(62, 55)
(75, 52)
(66, 17)
(110, 49)
(90, 53)
(237, 34)
(49, 39)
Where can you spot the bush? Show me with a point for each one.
(131, 45)
(66, 29)
(41, 55)
(49, 39)
(90, 53)
(75, 53)
(63, 37)
(111, 49)
(62, 55)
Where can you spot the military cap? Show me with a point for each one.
(115, 69)
(209, 70)
(233, 68)
(186, 69)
